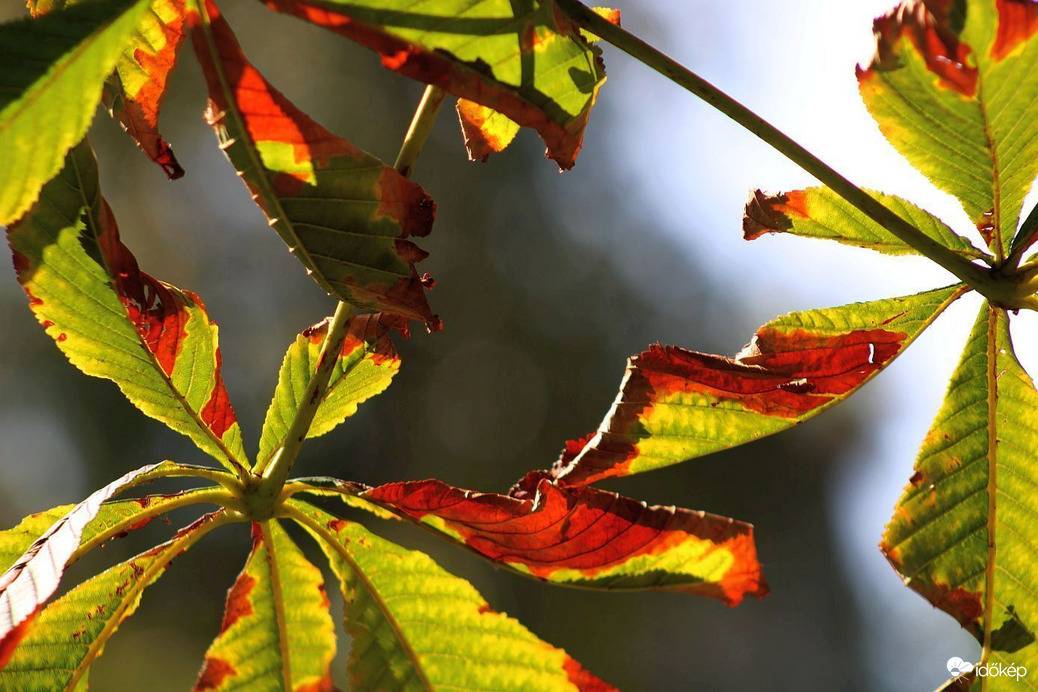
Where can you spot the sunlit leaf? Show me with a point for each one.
(818, 212)
(962, 533)
(114, 519)
(114, 321)
(63, 640)
(485, 130)
(277, 632)
(417, 627)
(32, 579)
(134, 93)
(676, 404)
(343, 213)
(952, 88)
(365, 368)
(526, 60)
(589, 537)
(52, 70)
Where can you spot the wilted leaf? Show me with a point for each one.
(417, 627)
(365, 368)
(676, 404)
(134, 93)
(485, 130)
(52, 70)
(114, 321)
(342, 212)
(589, 537)
(951, 86)
(818, 212)
(63, 640)
(277, 632)
(526, 60)
(962, 533)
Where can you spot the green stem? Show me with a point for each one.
(274, 474)
(418, 132)
(974, 275)
(212, 496)
(263, 497)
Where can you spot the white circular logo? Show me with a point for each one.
(957, 667)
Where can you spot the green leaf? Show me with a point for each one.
(417, 627)
(134, 93)
(277, 632)
(342, 212)
(525, 60)
(32, 579)
(676, 404)
(114, 321)
(64, 639)
(52, 70)
(962, 533)
(951, 86)
(818, 212)
(365, 368)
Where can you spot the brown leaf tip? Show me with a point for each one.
(763, 215)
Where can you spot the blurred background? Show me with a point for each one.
(547, 282)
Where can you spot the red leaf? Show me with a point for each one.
(926, 24)
(589, 536)
(365, 257)
(1017, 22)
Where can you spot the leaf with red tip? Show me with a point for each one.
(366, 365)
(527, 61)
(417, 627)
(676, 404)
(589, 537)
(67, 636)
(347, 216)
(485, 130)
(818, 212)
(114, 321)
(134, 94)
(277, 632)
(951, 86)
(962, 532)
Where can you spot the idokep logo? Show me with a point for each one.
(957, 667)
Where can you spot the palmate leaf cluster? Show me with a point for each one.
(953, 88)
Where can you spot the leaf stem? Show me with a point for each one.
(1024, 239)
(213, 496)
(130, 598)
(976, 276)
(418, 132)
(272, 474)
